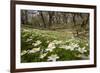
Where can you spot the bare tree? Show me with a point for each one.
(24, 15)
(43, 19)
(50, 18)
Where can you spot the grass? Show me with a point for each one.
(62, 34)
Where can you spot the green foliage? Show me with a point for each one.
(42, 46)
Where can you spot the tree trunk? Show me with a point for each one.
(43, 19)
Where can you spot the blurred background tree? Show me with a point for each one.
(75, 23)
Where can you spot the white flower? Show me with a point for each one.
(82, 50)
(87, 44)
(23, 52)
(25, 30)
(43, 55)
(53, 57)
(34, 50)
(65, 47)
(74, 45)
(29, 39)
(48, 41)
(51, 46)
(37, 43)
(57, 42)
(49, 49)
(71, 48)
